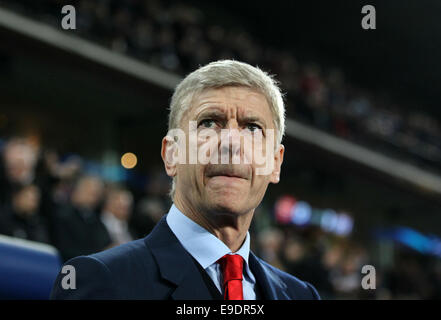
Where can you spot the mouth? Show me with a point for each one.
(226, 180)
(228, 183)
(226, 176)
(227, 173)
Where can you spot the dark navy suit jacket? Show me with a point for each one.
(158, 267)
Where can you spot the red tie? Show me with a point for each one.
(232, 266)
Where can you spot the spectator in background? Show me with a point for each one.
(19, 161)
(411, 278)
(77, 228)
(347, 277)
(151, 207)
(21, 217)
(116, 213)
(149, 212)
(293, 253)
(311, 260)
(67, 172)
(270, 243)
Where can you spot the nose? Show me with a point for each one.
(230, 144)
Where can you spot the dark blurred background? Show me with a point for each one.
(361, 181)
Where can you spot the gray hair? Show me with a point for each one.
(224, 73)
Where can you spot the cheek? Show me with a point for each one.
(261, 151)
(249, 148)
(189, 174)
(208, 149)
(259, 184)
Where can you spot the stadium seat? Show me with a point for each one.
(27, 269)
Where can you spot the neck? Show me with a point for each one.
(230, 228)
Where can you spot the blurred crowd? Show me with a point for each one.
(179, 38)
(49, 198)
(335, 265)
(52, 199)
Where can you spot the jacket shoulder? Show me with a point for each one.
(128, 252)
(83, 278)
(115, 273)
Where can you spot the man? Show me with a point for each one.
(201, 248)
(21, 218)
(77, 227)
(116, 213)
(19, 160)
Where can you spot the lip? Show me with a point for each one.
(227, 173)
(226, 176)
(225, 179)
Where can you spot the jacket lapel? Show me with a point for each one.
(178, 268)
(176, 265)
(273, 288)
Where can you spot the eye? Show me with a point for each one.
(253, 127)
(207, 123)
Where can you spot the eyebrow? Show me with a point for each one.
(255, 119)
(212, 112)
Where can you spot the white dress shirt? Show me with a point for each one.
(207, 249)
(118, 230)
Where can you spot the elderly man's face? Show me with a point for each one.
(227, 188)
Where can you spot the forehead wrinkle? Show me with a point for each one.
(209, 108)
(235, 104)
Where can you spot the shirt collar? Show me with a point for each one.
(205, 247)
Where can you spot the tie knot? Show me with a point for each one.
(232, 267)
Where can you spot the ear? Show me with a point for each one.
(278, 159)
(168, 154)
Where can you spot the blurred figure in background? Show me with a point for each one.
(78, 228)
(64, 173)
(116, 213)
(411, 278)
(270, 244)
(21, 217)
(347, 277)
(149, 212)
(293, 253)
(19, 161)
(152, 205)
(308, 257)
(51, 175)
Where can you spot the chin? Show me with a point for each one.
(230, 203)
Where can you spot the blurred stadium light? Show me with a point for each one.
(289, 210)
(411, 238)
